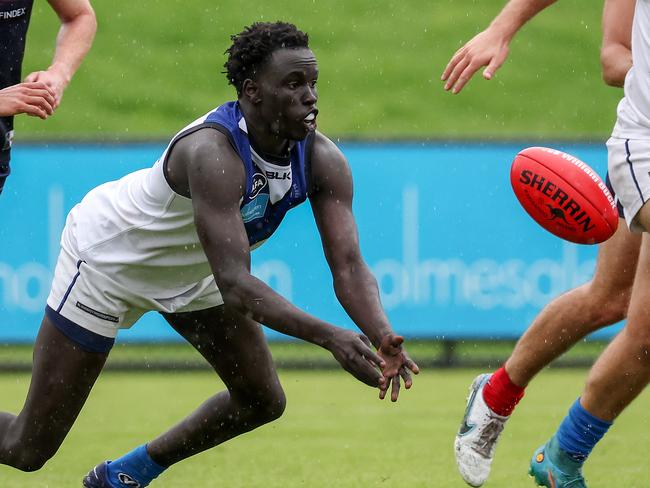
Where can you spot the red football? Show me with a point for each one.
(564, 195)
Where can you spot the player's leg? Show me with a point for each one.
(601, 302)
(63, 374)
(236, 348)
(564, 321)
(616, 378)
(627, 356)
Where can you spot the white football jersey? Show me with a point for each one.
(633, 121)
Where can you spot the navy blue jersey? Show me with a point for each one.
(14, 21)
(273, 185)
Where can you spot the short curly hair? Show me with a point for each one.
(252, 47)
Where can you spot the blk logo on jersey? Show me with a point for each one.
(279, 175)
(259, 182)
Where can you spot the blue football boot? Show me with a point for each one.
(98, 477)
(554, 468)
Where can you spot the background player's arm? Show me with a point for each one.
(490, 47)
(616, 50)
(78, 26)
(355, 286)
(215, 178)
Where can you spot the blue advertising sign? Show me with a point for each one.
(453, 252)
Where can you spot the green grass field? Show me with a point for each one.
(155, 66)
(335, 433)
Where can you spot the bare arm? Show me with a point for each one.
(490, 47)
(616, 50)
(78, 26)
(355, 286)
(215, 177)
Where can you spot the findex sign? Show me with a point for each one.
(454, 256)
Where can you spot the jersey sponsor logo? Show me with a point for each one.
(279, 175)
(12, 14)
(126, 480)
(255, 209)
(259, 182)
(96, 313)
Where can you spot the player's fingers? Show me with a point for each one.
(371, 356)
(41, 85)
(383, 388)
(46, 96)
(43, 103)
(33, 111)
(465, 76)
(410, 364)
(455, 59)
(456, 72)
(396, 340)
(394, 393)
(31, 77)
(406, 376)
(365, 340)
(364, 372)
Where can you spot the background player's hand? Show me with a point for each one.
(353, 351)
(56, 79)
(397, 365)
(33, 98)
(488, 48)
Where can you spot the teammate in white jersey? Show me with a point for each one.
(568, 318)
(177, 237)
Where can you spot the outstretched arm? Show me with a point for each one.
(78, 26)
(205, 165)
(490, 47)
(616, 50)
(354, 284)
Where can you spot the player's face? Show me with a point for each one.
(288, 92)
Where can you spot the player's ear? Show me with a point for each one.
(251, 91)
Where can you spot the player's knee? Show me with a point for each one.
(613, 310)
(610, 308)
(262, 406)
(271, 405)
(31, 460)
(638, 338)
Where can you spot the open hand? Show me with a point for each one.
(488, 48)
(396, 364)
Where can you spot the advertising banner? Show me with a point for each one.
(454, 253)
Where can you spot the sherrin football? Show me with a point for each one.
(564, 195)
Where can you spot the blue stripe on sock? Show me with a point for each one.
(580, 431)
(88, 340)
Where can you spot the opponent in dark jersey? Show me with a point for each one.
(209, 191)
(41, 92)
